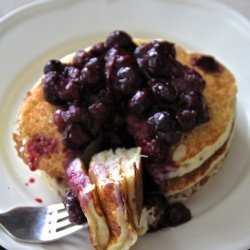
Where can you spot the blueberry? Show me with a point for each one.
(190, 100)
(195, 100)
(59, 120)
(155, 58)
(177, 213)
(71, 91)
(51, 88)
(92, 72)
(119, 39)
(77, 114)
(73, 207)
(163, 90)
(80, 58)
(127, 80)
(141, 102)
(186, 119)
(161, 121)
(115, 59)
(190, 81)
(52, 65)
(75, 136)
(72, 72)
(98, 50)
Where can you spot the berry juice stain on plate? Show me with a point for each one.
(32, 180)
(39, 200)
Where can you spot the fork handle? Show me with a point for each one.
(2, 220)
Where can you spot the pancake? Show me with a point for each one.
(86, 193)
(186, 193)
(193, 179)
(105, 171)
(131, 170)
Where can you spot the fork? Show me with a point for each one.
(38, 224)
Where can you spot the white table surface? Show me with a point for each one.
(242, 6)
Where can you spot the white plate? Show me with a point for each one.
(51, 29)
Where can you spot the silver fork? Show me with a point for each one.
(38, 224)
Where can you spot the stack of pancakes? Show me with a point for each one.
(198, 156)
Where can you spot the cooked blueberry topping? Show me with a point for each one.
(155, 97)
(170, 137)
(177, 214)
(162, 214)
(126, 95)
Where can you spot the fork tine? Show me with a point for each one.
(58, 211)
(67, 231)
(62, 215)
(61, 224)
(57, 207)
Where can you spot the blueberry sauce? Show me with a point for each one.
(207, 63)
(32, 180)
(164, 214)
(127, 95)
(38, 147)
(38, 200)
